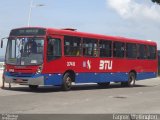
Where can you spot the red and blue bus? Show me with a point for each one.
(38, 56)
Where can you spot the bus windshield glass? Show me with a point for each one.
(25, 51)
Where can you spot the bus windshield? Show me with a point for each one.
(25, 51)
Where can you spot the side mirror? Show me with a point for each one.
(2, 41)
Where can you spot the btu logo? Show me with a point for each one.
(105, 65)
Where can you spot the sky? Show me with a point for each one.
(128, 18)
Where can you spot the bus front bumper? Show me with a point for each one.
(36, 80)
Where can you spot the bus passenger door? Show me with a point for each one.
(54, 53)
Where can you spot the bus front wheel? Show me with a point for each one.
(131, 80)
(67, 82)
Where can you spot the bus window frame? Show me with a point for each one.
(124, 56)
(136, 51)
(61, 45)
(81, 41)
(156, 53)
(97, 48)
(111, 49)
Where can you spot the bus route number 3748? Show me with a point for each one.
(71, 64)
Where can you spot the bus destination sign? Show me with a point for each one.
(28, 32)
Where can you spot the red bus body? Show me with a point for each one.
(85, 69)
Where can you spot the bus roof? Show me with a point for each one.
(97, 36)
(73, 32)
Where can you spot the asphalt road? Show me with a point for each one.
(83, 99)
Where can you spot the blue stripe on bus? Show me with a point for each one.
(111, 77)
(101, 77)
(57, 79)
(53, 79)
(146, 75)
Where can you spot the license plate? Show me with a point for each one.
(19, 81)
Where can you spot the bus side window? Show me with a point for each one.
(53, 49)
(90, 47)
(72, 46)
(105, 48)
(142, 51)
(131, 50)
(151, 52)
(118, 49)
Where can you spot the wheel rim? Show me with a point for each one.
(132, 80)
(68, 82)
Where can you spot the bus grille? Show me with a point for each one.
(17, 74)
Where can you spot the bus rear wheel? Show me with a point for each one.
(131, 80)
(33, 87)
(67, 82)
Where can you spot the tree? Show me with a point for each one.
(156, 1)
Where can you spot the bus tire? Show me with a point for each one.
(131, 80)
(104, 84)
(67, 82)
(33, 87)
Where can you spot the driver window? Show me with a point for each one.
(54, 49)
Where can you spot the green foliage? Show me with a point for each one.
(156, 1)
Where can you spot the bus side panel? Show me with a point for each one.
(53, 79)
(144, 69)
(146, 75)
(101, 77)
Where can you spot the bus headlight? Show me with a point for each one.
(39, 70)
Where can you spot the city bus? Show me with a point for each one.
(38, 56)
